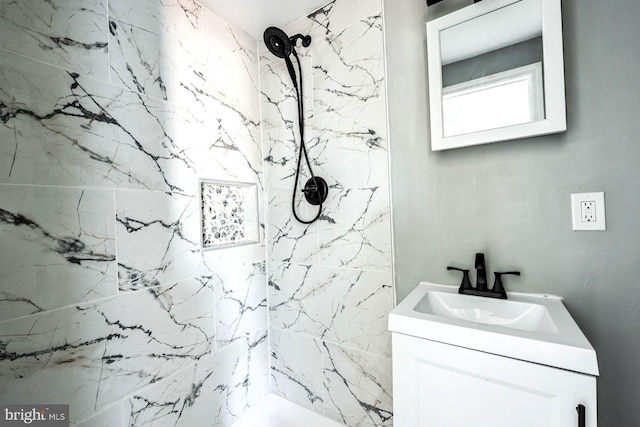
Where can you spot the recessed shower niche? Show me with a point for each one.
(228, 214)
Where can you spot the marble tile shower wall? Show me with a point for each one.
(330, 283)
(110, 111)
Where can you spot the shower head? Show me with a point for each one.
(277, 42)
(282, 45)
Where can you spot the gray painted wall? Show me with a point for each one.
(512, 199)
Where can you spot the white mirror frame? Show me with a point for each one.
(553, 78)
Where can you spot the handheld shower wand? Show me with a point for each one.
(315, 189)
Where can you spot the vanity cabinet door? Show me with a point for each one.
(440, 385)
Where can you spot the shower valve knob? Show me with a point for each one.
(315, 190)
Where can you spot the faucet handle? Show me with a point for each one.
(498, 288)
(466, 283)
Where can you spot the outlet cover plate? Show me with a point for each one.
(587, 211)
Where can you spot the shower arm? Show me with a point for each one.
(306, 40)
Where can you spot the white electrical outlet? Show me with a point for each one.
(587, 211)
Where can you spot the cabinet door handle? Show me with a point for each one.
(582, 415)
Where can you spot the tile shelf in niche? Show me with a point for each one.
(228, 214)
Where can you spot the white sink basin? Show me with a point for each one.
(531, 327)
(509, 314)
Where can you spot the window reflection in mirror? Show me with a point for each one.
(507, 98)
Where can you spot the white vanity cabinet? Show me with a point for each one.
(443, 385)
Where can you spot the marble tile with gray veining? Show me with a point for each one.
(363, 300)
(72, 35)
(223, 146)
(349, 147)
(348, 66)
(278, 96)
(345, 306)
(179, 101)
(153, 54)
(214, 392)
(303, 299)
(334, 17)
(239, 278)
(241, 379)
(164, 15)
(358, 387)
(287, 239)
(256, 385)
(186, 12)
(57, 247)
(330, 284)
(296, 369)
(217, 56)
(232, 72)
(282, 147)
(62, 129)
(91, 355)
(110, 417)
(222, 126)
(355, 229)
(157, 237)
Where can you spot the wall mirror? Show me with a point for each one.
(496, 73)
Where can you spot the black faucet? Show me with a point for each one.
(481, 289)
(481, 273)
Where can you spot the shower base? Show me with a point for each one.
(274, 411)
